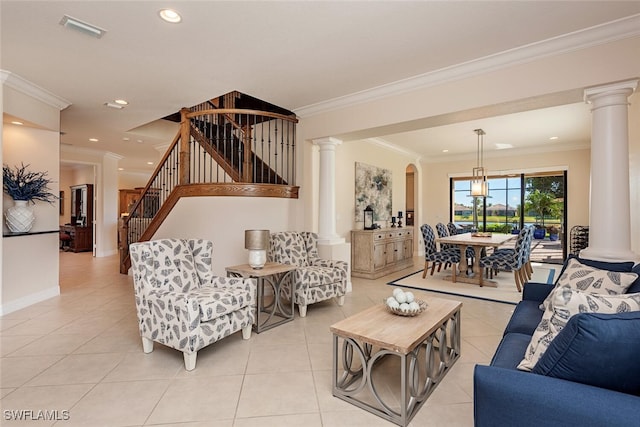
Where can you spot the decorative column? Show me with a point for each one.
(330, 244)
(609, 213)
(327, 189)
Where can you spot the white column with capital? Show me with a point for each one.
(609, 214)
(330, 244)
(327, 189)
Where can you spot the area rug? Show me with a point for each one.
(505, 292)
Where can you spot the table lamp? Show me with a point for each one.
(257, 242)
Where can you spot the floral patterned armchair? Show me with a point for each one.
(315, 279)
(180, 303)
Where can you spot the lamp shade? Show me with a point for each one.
(479, 188)
(256, 239)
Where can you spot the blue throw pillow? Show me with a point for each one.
(620, 267)
(596, 349)
(635, 286)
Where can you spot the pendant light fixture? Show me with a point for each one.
(479, 184)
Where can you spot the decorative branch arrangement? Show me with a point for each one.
(20, 184)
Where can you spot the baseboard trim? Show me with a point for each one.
(28, 300)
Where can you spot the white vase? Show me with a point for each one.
(19, 217)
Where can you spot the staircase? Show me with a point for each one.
(221, 149)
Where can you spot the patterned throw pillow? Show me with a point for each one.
(592, 280)
(565, 303)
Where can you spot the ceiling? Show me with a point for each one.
(292, 54)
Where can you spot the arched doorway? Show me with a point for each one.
(411, 201)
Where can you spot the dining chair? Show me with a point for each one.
(528, 229)
(431, 253)
(516, 259)
(470, 253)
(453, 229)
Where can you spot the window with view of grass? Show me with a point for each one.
(513, 202)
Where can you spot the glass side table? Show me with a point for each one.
(276, 307)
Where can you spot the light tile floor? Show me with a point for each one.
(80, 352)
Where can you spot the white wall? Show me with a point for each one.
(223, 221)
(130, 180)
(22, 284)
(347, 154)
(39, 149)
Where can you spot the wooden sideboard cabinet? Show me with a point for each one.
(375, 253)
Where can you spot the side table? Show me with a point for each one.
(280, 309)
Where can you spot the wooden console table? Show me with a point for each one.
(375, 253)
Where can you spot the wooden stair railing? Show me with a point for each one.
(194, 166)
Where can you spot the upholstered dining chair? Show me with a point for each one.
(431, 253)
(180, 303)
(528, 269)
(453, 230)
(516, 259)
(315, 279)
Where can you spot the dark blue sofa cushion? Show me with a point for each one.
(511, 350)
(525, 318)
(533, 291)
(596, 349)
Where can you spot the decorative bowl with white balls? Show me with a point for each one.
(404, 303)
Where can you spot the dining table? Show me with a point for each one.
(477, 241)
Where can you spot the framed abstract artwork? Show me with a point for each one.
(373, 188)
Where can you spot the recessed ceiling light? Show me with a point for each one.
(93, 139)
(15, 122)
(120, 169)
(500, 146)
(113, 105)
(445, 151)
(139, 141)
(125, 138)
(553, 138)
(121, 102)
(149, 163)
(170, 15)
(83, 27)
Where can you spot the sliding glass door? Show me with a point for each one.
(513, 202)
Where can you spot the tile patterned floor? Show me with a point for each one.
(80, 352)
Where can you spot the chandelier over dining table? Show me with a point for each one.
(479, 184)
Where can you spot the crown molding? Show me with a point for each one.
(608, 32)
(393, 147)
(24, 86)
(140, 172)
(510, 152)
(112, 155)
(67, 148)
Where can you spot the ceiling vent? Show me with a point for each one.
(83, 27)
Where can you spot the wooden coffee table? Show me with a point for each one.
(427, 344)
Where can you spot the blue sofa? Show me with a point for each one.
(589, 376)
